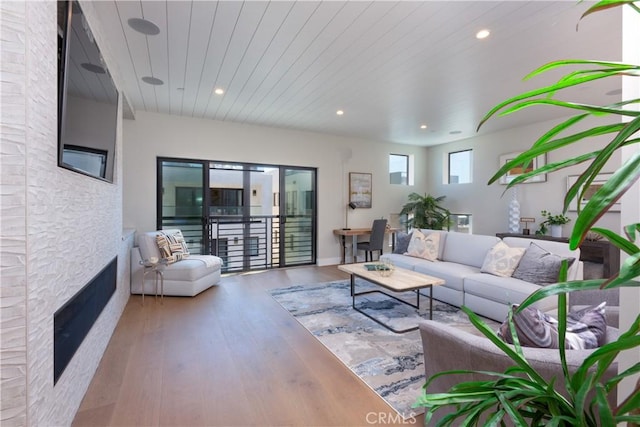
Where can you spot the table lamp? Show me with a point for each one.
(346, 215)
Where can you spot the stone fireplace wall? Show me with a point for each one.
(58, 228)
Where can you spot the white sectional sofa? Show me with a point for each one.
(460, 259)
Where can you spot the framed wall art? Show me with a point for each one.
(539, 161)
(596, 184)
(360, 189)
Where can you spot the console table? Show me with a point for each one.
(598, 251)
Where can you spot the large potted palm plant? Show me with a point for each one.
(426, 212)
(534, 401)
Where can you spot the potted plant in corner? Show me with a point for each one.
(520, 395)
(426, 212)
(555, 223)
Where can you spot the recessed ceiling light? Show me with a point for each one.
(143, 26)
(93, 68)
(152, 81)
(482, 34)
(423, 126)
(218, 91)
(340, 112)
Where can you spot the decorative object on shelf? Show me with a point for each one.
(587, 193)
(593, 237)
(351, 205)
(360, 189)
(514, 212)
(526, 220)
(514, 172)
(555, 223)
(426, 212)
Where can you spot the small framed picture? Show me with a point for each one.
(360, 190)
(538, 162)
(596, 184)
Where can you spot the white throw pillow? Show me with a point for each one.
(502, 260)
(422, 246)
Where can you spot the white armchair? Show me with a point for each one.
(187, 277)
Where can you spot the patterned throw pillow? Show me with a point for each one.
(172, 246)
(426, 247)
(586, 328)
(502, 260)
(533, 328)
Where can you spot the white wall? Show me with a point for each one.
(58, 230)
(152, 135)
(486, 203)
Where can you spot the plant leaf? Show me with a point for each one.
(605, 4)
(554, 87)
(607, 195)
(618, 240)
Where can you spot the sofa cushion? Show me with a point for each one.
(468, 249)
(539, 266)
(148, 246)
(502, 260)
(192, 268)
(402, 242)
(504, 290)
(422, 246)
(453, 274)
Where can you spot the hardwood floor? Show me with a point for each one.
(232, 356)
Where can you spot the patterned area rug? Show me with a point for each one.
(391, 364)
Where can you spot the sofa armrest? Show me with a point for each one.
(449, 348)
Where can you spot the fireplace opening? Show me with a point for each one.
(73, 321)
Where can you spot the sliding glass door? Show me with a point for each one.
(253, 216)
(181, 202)
(298, 216)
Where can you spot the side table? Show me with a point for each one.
(154, 266)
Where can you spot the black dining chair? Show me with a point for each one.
(376, 240)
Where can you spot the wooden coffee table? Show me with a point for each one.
(400, 280)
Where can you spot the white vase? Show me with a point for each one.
(514, 212)
(556, 230)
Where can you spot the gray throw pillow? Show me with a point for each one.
(539, 266)
(402, 242)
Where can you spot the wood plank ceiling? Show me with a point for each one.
(390, 66)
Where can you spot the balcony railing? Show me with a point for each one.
(250, 243)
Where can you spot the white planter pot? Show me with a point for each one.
(556, 230)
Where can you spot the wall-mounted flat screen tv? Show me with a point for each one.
(87, 99)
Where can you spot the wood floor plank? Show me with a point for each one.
(232, 356)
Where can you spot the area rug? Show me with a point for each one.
(391, 364)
